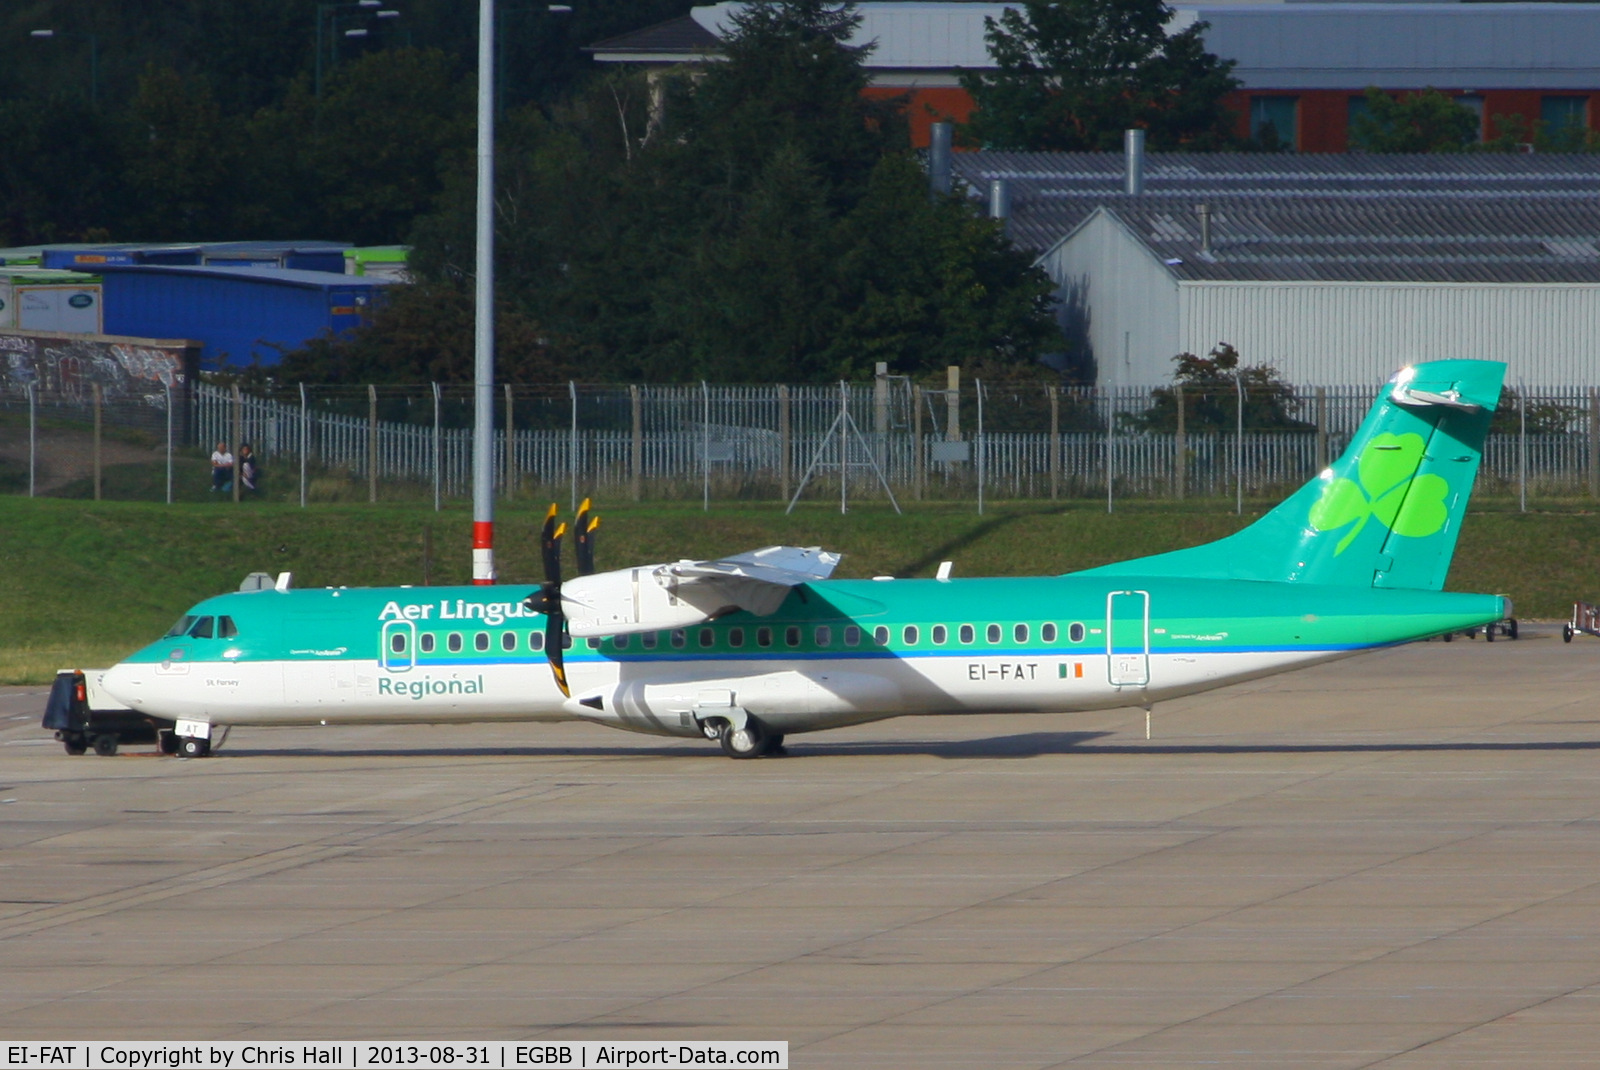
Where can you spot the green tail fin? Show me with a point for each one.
(1387, 513)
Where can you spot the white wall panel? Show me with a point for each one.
(1358, 333)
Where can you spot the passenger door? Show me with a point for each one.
(1128, 638)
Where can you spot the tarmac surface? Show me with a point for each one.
(1392, 861)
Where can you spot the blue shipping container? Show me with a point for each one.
(239, 314)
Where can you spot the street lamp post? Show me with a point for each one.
(94, 58)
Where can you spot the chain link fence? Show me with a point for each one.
(966, 441)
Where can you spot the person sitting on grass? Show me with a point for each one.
(221, 468)
(249, 470)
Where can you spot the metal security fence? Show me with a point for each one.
(963, 441)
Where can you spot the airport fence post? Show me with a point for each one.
(636, 446)
(844, 426)
(1111, 423)
(1180, 446)
(978, 389)
(705, 446)
(372, 443)
(785, 439)
(572, 447)
(1594, 442)
(99, 398)
(168, 387)
(1322, 428)
(1055, 442)
(305, 442)
(238, 437)
(33, 439)
(1522, 446)
(436, 430)
(917, 471)
(511, 448)
(1238, 446)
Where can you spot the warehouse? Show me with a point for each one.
(243, 315)
(1334, 290)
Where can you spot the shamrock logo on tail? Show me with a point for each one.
(1386, 468)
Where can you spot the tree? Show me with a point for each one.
(1427, 121)
(1210, 390)
(1072, 75)
(183, 160)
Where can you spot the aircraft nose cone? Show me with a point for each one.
(122, 682)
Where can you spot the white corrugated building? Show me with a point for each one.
(1334, 270)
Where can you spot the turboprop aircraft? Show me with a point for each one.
(752, 648)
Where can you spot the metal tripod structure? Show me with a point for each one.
(841, 431)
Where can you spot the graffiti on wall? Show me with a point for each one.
(65, 367)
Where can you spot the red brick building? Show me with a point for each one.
(1304, 66)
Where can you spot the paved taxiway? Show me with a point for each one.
(1392, 860)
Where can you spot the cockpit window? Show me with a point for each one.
(226, 628)
(185, 622)
(204, 628)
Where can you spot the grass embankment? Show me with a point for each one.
(84, 583)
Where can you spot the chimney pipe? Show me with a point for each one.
(1133, 152)
(1204, 212)
(939, 157)
(999, 199)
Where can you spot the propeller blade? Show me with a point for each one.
(550, 547)
(583, 532)
(555, 634)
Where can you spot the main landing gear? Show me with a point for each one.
(753, 739)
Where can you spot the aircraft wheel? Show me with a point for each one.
(1513, 623)
(775, 747)
(1449, 636)
(105, 745)
(1566, 633)
(190, 747)
(747, 742)
(167, 741)
(75, 743)
(1488, 633)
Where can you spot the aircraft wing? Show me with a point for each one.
(683, 593)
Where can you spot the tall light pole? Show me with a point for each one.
(483, 314)
(94, 59)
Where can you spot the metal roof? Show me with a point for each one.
(1051, 193)
(1427, 240)
(314, 280)
(681, 38)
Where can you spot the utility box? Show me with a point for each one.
(35, 299)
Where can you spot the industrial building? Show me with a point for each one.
(1302, 66)
(241, 314)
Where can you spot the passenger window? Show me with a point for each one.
(967, 633)
(397, 642)
(508, 642)
(535, 641)
(992, 633)
(620, 642)
(763, 637)
(1047, 632)
(909, 634)
(1075, 633)
(736, 637)
(1020, 633)
(426, 643)
(649, 640)
(852, 635)
(182, 627)
(594, 642)
(225, 628)
(940, 634)
(791, 636)
(880, 635)
(680, 638)
(707, 637)
(203, 628)
(566, 641)
(823, 635)
(480, 641)
(454, 642)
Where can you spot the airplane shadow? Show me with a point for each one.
(1024, 745)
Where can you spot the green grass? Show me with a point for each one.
(82, 583)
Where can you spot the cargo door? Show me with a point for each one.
(1128, 638)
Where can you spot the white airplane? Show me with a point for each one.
(756, 647)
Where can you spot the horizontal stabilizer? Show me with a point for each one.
(684, 593)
